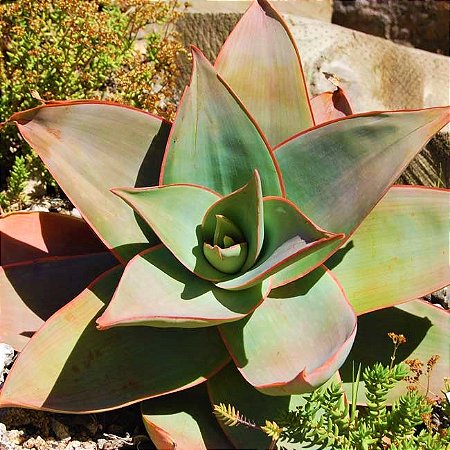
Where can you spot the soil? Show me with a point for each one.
(37, 430)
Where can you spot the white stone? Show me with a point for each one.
(38, 208)
(74, 212)
(6, 358)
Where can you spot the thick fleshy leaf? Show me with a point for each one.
(244, 208)
(291, 343)
(70, 366)
(337, 172)
(157, 290)
(32, 235)
(31, 292)
(261, 63)
(111, 145)
(427, 331)
(330, 106)
(288, 236)
(175, 213)
(183, 421)
(214, 142)
(229, 387)
(400, 252)
(227, 260)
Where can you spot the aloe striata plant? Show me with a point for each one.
(254, 229)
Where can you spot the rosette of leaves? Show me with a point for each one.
(254, 229)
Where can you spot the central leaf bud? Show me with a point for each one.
(228, 251)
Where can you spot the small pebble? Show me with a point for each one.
(61, 431)
(74, 212)
(38, 208)
(6, 359)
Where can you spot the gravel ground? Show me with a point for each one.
(36, 430)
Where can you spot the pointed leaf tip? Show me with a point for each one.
(262, 43)
(214, 133)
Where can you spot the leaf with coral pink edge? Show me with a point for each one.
(47, 259)
(214, 142)
(330, 106)
(183, 421)
(292, 344)
(289, 236)
(31, 235)
(68, 363)
(400, 252)
(175, 213)
(122, 144)
(32, 291)
(427, 331)
(337, 172)
(244, 208)
(156, 290)
(230, 388)
(272, 85)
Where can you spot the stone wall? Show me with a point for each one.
(418, 23)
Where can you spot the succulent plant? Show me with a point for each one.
(255, 228)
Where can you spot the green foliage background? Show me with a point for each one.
(78, 49)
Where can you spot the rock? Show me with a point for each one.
(431, 167)
(376, 73)
(315, 9)
(73, 445)
(421, 24)
(60, 430)
(6, 359)
(38, 208)
(74, 212)
(440, 297)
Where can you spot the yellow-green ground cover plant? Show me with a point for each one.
(82, 49)
(330, 419)
(242, 254)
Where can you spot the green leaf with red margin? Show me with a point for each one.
(291, 343)
(400, 252)
(41, 253)
(427, 331)
(330, 106)
(70, 366)
(337, 172)
(32, 291)
(244, 208)
(214, 142)
(32, 235)
(261, 63)
(289, 236)
(111, 145)
(175, 213)
(229, 387)
(157, 290)
(184, 421)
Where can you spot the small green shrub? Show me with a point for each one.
(74, 49)
(16, 183)
(327, 419)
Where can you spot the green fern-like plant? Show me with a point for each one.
(329, 421)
